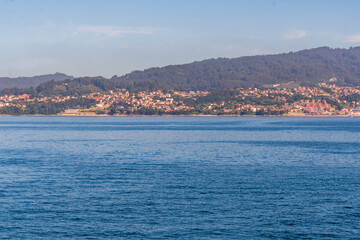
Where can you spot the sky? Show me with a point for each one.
(115, 37)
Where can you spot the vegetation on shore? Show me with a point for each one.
(45, 108)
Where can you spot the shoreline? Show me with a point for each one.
(183, 115)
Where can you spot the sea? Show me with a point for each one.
(179, 178)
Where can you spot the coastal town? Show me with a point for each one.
(325, 99)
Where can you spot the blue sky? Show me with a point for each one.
(104, 37)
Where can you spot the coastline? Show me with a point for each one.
(181, 115)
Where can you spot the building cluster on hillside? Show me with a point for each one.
(324, 99)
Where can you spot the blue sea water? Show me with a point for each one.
(179, 178)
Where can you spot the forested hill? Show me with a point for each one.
(305, 67)
(79, 86)
(25, 82)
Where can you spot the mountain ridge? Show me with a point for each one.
(306, 67)
(34, 81)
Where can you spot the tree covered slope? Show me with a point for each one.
(25, 82)
(307, 67)
(304, 67)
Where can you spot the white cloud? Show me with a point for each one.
(112, 31)
(295, 34)
(353, 39)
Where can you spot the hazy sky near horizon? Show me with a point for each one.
(108, 37)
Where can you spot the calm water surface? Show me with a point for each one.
(165, 178)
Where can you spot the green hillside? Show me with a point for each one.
(305, 67)
(25, 82)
